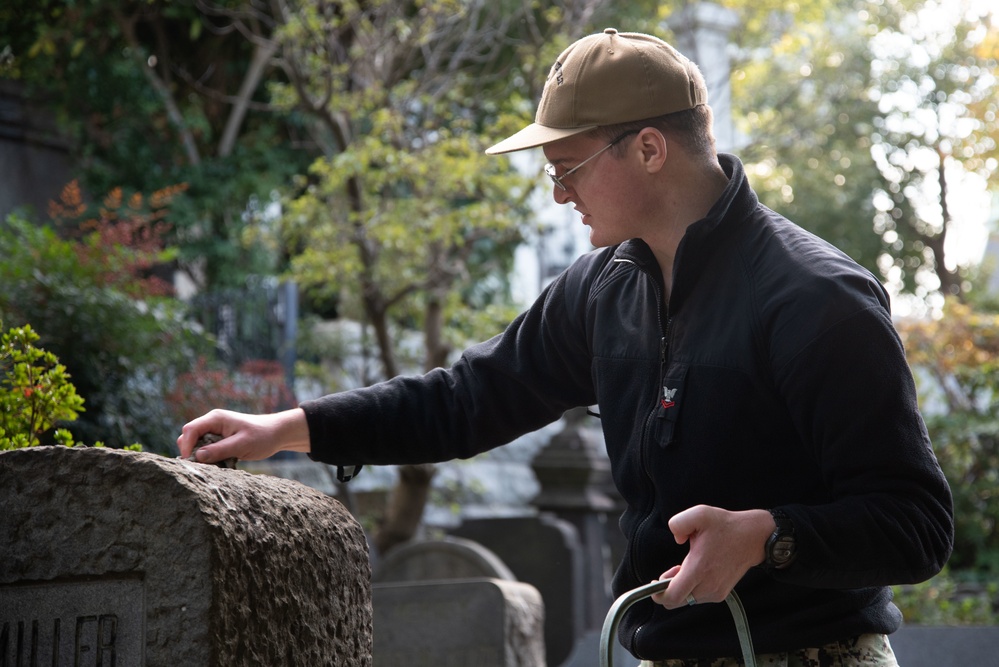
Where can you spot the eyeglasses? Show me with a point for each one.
(557, 180)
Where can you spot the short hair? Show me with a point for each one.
(691, 128)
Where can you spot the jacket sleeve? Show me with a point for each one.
(514, 383)
(852, 398)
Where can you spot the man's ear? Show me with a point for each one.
(653, 148)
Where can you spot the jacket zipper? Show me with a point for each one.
(661, 398)
(663, 350)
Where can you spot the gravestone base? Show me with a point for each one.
(129, 558)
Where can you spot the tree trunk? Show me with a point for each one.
(436, 348)
(262, 54)
(404, 510)
(950, 281)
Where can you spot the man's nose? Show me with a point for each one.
(561, 196)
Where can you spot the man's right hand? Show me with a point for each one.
(245, 437)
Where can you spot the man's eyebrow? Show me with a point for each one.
(567, 158)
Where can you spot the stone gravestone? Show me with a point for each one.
(545, 552)
(124, 558)
(459, 623)
(453, 602)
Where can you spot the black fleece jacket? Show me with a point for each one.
(773, 378)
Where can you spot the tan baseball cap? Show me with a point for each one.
(605, 79)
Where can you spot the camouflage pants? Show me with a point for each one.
(862, 651)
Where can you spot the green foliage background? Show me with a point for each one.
(122, 354)
(365, 128)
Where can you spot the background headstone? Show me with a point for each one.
(545, 552)
(116, 557)
(460, 623)
(449, 558)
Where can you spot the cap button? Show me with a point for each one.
(610, 31)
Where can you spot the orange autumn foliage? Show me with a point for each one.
(124, 239)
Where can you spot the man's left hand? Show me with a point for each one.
(723, 546)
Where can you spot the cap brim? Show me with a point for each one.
(535, 135)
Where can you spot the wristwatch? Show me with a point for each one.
(781, 546)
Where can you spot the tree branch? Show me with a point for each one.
(262, 54)
(127, 25)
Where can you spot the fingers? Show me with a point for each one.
(680, 591)
(684, 526)
(658, 598)
(687, 522)
(723, 546)
(219, 422)
(218, 451)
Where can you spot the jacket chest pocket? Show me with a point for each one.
(665, 426)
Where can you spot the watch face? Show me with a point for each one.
(782, 550)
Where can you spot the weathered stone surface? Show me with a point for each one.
(225, 568)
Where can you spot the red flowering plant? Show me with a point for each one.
(122, 238)
(258, 387)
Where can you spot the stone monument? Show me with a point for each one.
(480, 622)
(112, 557)
(545, 552)
(439, 603)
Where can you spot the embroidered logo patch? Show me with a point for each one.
(667, 399)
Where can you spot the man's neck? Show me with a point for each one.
(688, 197)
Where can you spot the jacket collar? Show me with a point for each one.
(736, 203)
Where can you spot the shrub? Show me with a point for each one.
(35, 392)
(956, 362)
(97, 307)
(949, 600)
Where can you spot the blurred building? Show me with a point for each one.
(34, 156)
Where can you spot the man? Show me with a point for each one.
(758, 411)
